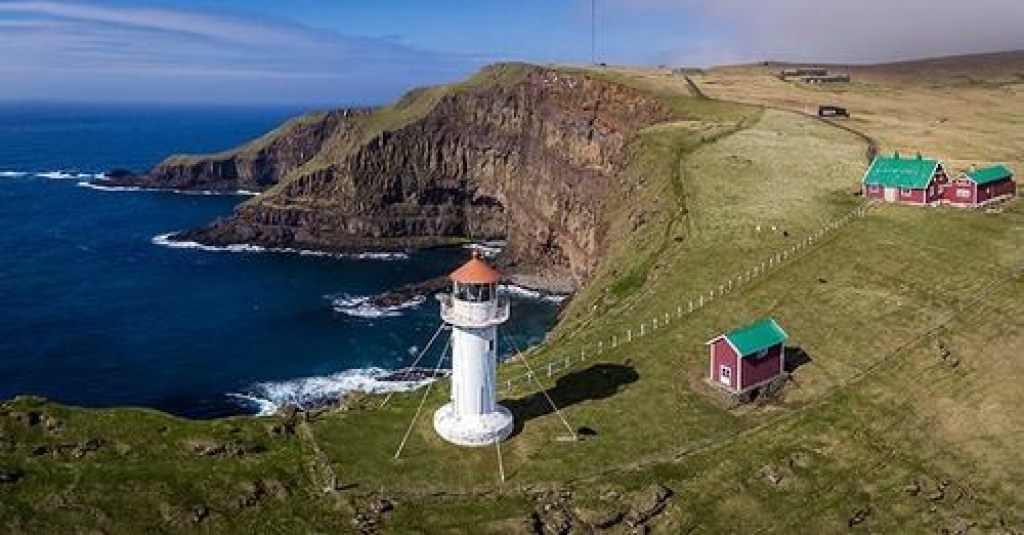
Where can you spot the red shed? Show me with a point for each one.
(747, 358)
(979, 187)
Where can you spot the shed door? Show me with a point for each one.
(890, 194)
(725, 375)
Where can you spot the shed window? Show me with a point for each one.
(963, 193)
(906, 192)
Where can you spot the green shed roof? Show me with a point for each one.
(753, 338)
(894, 171)
(990, 174)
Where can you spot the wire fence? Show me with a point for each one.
(682, 309)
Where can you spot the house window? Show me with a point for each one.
(725, 375)
(490, 345)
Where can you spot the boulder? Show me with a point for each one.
(859, 516)
(25, 418)
(10, 476)
(600, 517)
(86, 447)
(647, 504)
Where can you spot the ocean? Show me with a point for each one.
(94, 311)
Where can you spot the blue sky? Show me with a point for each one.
(330, 52)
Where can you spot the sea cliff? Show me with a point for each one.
(519, 153)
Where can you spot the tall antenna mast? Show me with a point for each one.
(593, 32)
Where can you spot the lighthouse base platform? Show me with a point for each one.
(481, 430)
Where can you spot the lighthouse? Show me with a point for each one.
(474, 311)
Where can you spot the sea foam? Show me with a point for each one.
(164, 240)
(307, 392)
(487, 248)
(361, 307)
(68, 175)
(205, 193)
(519, 291)
(13, 174)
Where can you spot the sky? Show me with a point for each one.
(354, 52)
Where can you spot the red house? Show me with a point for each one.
(979, 187)
(917, 180)
(748, 358)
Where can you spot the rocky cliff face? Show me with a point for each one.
(530, 160)
(255, 166)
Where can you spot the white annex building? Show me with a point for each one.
(474, 310)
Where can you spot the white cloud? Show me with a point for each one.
(843, 30)
(54, 50)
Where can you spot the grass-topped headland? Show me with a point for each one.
(877, 431)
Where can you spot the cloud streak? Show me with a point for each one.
(56, 50)
(860, 31)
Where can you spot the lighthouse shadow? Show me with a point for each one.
(599, 381)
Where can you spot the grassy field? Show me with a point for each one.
(964, 111)
(871, 415)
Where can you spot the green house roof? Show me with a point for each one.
(893, 171)
(990, 174)
(753, 338)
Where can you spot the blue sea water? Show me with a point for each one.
(93, 313)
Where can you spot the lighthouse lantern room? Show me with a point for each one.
(474, 310)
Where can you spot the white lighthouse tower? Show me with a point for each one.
(474, 310)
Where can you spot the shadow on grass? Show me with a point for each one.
(599, 381)
(794, 357)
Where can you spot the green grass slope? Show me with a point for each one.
(874, 414)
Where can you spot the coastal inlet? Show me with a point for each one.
(98, 313)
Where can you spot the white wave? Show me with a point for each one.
(65, 175)
(165, 240)
(519, 291)
(205, 193)
(487, 248)
(360, 306)
(308, 392)
(13, 174)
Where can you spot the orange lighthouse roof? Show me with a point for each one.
(476, 271)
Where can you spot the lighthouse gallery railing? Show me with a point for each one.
(468, 314)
